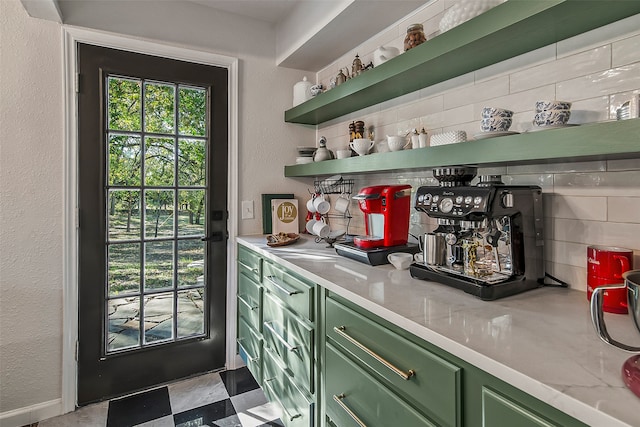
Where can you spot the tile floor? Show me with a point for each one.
(225, 399)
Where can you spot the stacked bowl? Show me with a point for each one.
(552, 113)
(496, 119)
(305, 155)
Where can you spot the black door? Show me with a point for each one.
(152, 164)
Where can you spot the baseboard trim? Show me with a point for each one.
(31, 414)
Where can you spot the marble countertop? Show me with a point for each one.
(541, 341)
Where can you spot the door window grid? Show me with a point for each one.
(161, 307)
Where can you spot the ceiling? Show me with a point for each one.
(310, 34)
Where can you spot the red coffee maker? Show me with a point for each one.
(386, 211)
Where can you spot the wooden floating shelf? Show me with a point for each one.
(596, 141)
(508, 30)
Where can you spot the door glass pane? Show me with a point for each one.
(158, 214)
(124, 107)
(123, 269)
(191, 205)
(159, 162)
(190, 312)
(191, 162)
(156, 260)
(192, 111)
(158, 317)
(159, 108)
(124, 323)
(124, 160)
(158, 265)
(124, 214)
(190, 263)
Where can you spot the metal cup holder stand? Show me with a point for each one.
(333, 186)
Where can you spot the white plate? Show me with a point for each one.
(484, 135)
(304, 160)
(539, 128)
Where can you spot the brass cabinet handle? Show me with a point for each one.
(287, 414)
(340, 330)
(248, 267)
(355, 418)
(249, 306)
(251, 358)
(281, 288)
(279, 337)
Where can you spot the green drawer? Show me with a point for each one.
(291, 340)
(250, 349)
(249, 301)
(249, 263)
(427, 381)
(498, 410)
(353, 394)
(295, 292)
(297, 409)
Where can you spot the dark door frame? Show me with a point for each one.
(72, 36)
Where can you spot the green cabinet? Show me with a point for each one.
(276, 334)
(498, 410)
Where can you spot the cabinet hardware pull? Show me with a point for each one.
(355, 418)
(288, 415)
(248, 267)
(341, 331)
(249, 306)
(279, 337)
(280, 287)
(251, 358)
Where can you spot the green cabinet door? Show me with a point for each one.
(499, 411)
(354, 398)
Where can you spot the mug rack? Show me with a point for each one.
(333, 186)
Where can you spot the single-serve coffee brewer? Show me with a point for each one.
(489, 238)
(386, 210)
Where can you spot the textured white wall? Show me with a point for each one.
(31, 161)
(31, 180)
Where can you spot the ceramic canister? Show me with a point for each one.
(302, 91)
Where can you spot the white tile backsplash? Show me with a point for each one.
(595, 202)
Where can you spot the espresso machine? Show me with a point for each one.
(489, 238)
(386, 210)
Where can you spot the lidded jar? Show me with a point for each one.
(415, 36)
(302, 91)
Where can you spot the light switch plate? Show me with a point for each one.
(247, 209)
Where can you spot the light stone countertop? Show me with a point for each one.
(541, 341)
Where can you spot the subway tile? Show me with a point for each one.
(626, 51)
(623, 164)
(597, 233)
(451, 84)
(624, 209)
(520, 62)
(457, 115)
(524, 101)
(566, 68)
(477, 92)
(603, 35)
(578, 207)
(590, 110)
(425, 13)
(420, 108)
(595, 166)
(624, 183)
(603, 83)
(568, 253)
(575, 277)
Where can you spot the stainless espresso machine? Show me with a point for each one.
(489, 239)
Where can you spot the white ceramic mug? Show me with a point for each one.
(309, 225)
(321, 205)
(343, 154)
(342, 203)
(321, 228)
(310, 206)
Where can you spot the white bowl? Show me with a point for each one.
(448, 138)
(396, 143)
(400, 260)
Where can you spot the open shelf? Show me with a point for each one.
(510, 29)
(597, 141)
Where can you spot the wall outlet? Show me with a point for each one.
(247, 209)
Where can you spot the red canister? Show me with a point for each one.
(605, 265)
